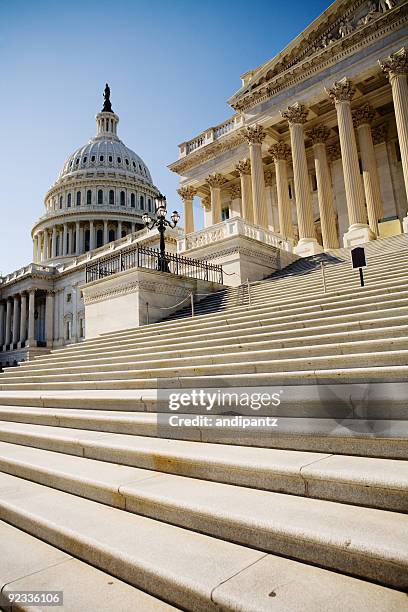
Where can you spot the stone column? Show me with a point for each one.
(296, 116)
(7, 339)
(235, 208)
(244, 169)
(49, 318)
(206, 204)
(35, 251)
(23, 319)
(396, 68)
(362, 118)
(341, 93)
(54, 241)
(16, 320)
(319, 136)
(133, 228)
(215, 182)
(91, 236)
(70, 240)
(46, 245)
(187, 194)
(61, 332)
(255, 136)
(65, 239)
(31, 313)
(105, 232)
(119, 229)
(280, 153)
(2, 322)
(271, 208)
(77, 238)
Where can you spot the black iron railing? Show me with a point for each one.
(144, 257)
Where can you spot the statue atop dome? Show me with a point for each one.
(107, 106)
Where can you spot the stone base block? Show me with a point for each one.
(405, 225)
(137, 297)
(308, 246)
(357, 235)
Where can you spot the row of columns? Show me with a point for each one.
(252, 180)
(45, 243)
(17, 320)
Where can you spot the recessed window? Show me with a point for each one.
(100, 196)
(290, 191)
(78, 198)
(111, 197)
(122, 198)
(101, 158)
(89, 196)
(149, 205)
(119, 160)
(69, 200)
(93, 158)
(84, 159)
(70, 164)
(127, 162)
(132, 200)
(110, 158)
(134, 164)
(142, 202)
(60, 202)
(69, 297)
(77, 161)
(225, 214)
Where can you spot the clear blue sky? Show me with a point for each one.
(171, 65)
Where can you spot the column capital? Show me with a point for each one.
(395, 64)
(235, 191)
(341, 91)
(269, 176)
(363, 115)
(206, 203)
(243, 166)
(187, 193)
(379, 133)
(295, 114)
(280, 150)
(216, 180)
(319, 134)
(334, 151)
(255, 134)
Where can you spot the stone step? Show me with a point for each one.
(377, 483)
(219, 365)
(323, 375)
(152, 560)
(29, 564)
(211, 357)
(146, 552)
(383, 328)
(251, 321)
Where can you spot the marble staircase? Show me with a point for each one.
(100, 496)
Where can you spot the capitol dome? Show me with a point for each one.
(100, 195)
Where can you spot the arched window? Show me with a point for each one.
(78, 198)
(69, 200)
(132, 200)
(149, 205)
(89, 196)
(142, 202)
(99, 238)
(101, 158)
(93, 158)
(122, 198)
(60, 202)
(111, 235)
(100, 196)
(119, 160)
(110, 158)
(111, 197)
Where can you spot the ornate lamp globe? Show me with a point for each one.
(175, 217)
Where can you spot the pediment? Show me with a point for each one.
(340, 21)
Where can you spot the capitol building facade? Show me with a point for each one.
(95, 207)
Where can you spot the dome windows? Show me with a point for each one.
(77, 161)
(122, 198)
(100, 196)
(69, 198)
(134, 163)
(111, 197)
(127, 162)
(142, 202)
(119, 160)
(110, 158)
(132, 200)
(101, 158)
(84, 159)
(89, 196)
(78, 198)
(93, 158)
(60, 202)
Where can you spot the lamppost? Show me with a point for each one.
(161, 223)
